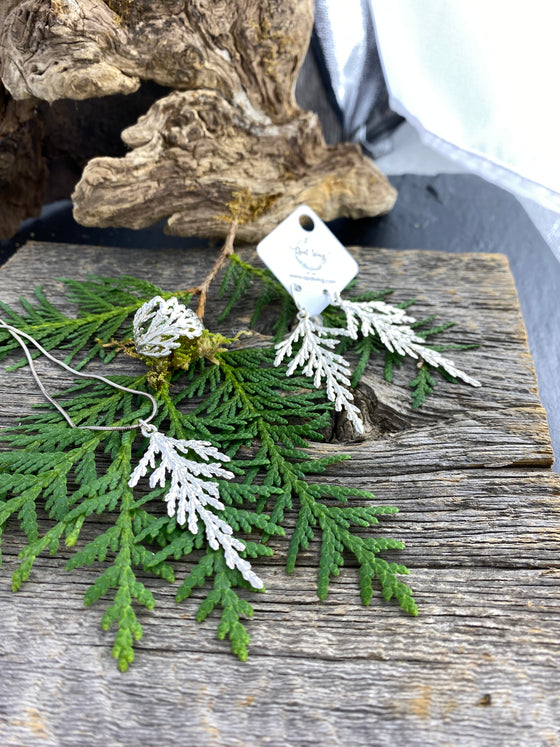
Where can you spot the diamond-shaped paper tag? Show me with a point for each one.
(307, 259)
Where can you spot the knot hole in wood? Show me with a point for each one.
(385, 408)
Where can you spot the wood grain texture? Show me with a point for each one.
(45, 147)
(479, 512)
(232, 124)
(79, 49)
(194, 151)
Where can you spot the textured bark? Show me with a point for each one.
(79, 49)
(77, 131)
(194, 151)
(232, 126)
(44, 148)
(479, 512)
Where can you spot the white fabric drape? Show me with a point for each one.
(479, 80)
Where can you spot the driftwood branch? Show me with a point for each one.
(232, 123)
(80, 49)
(194, 150)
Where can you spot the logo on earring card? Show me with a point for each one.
(303, 253)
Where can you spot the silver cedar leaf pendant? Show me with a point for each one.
(159, 324)
(392, 326)
(318, 360)
(190, 494)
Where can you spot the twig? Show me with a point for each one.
(202, 289)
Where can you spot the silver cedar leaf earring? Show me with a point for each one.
(159, 324)
(393, 327)
(189, 493)
(318, 359)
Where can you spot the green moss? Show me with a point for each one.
(127, 11)
(244, 207)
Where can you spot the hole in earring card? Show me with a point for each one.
(306, 222)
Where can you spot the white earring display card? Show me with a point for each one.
(308, 259)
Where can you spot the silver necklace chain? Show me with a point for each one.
(17, 334)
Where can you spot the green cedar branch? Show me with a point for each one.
(245, 406)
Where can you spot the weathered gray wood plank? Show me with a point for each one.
(480, 514)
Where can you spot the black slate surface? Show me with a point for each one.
(446, 212)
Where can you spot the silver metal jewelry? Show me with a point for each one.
(393, 327)
(189, 494)
(17, 334)
(318, 360)
(159, 324)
